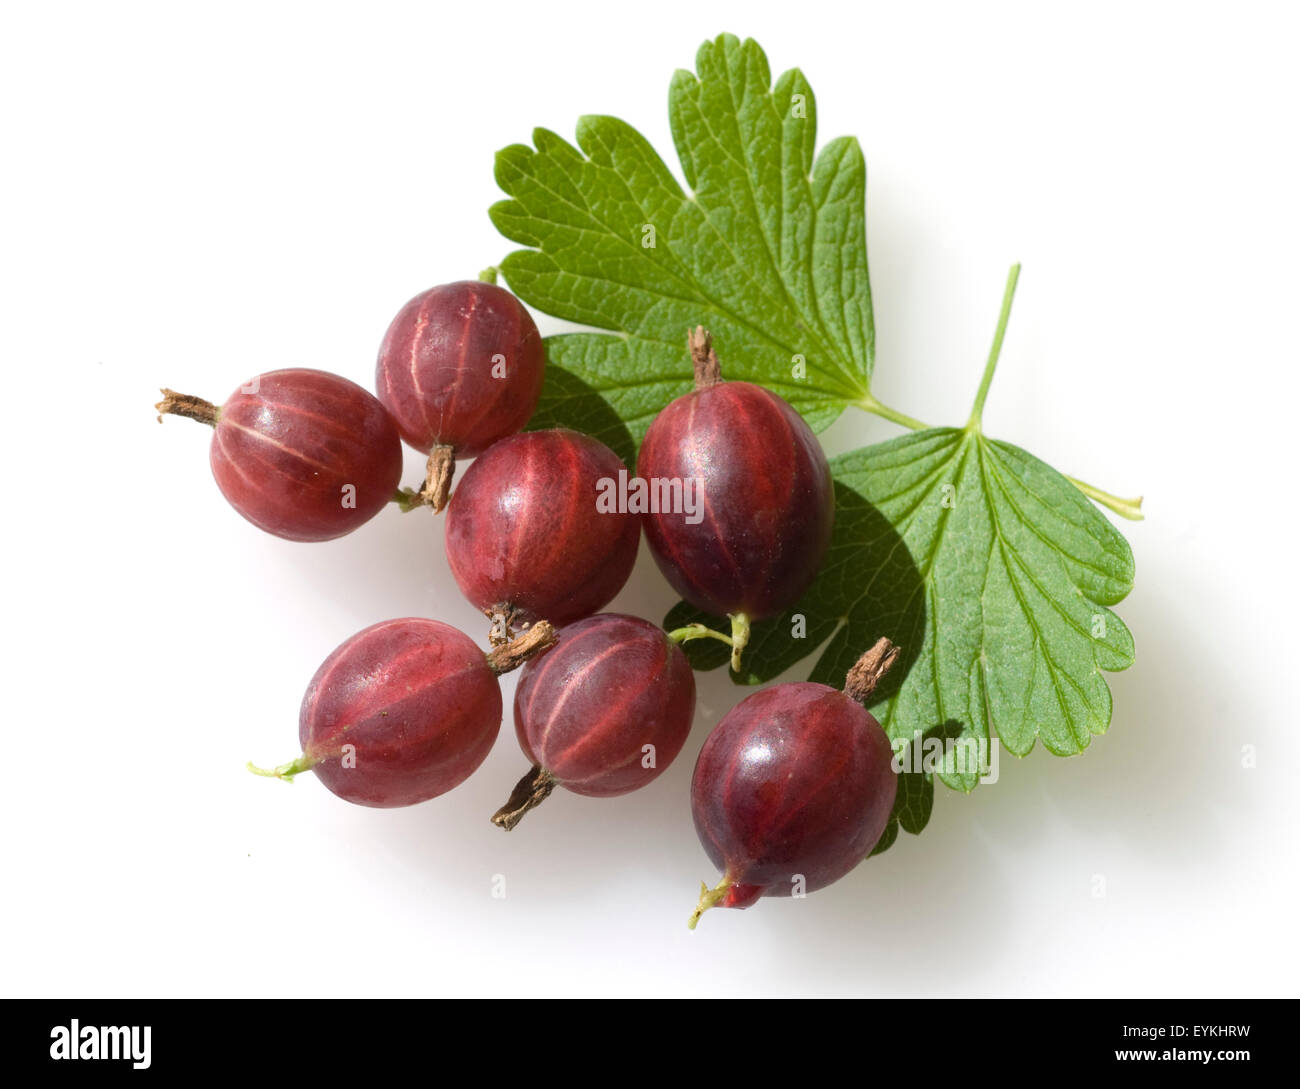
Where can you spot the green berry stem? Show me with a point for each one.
(739, 638)
(709, 897)
(286, 772)
(697, 631)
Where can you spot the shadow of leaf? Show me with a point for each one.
(568, 401)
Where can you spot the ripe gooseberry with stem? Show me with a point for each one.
(794, 787)
(300, 453)
(603, 713)
(764, 488)
(403, 711)
(525, 537)
(460, 367)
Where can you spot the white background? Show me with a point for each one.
(196, 193)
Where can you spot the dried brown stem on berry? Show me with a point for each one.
(705, 360)
(438, 478)
(192, 408)
(525, 645)
(529, 793)
(867, 671)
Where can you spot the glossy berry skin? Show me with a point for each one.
(524, 534)
(611, 685)
(288, 445)
(418, 701)
(461, 365)
(768, 504)
(796, 779)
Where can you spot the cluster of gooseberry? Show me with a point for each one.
(794, 786)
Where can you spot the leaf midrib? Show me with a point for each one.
(748, 172)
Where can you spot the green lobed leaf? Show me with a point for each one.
(768, 251)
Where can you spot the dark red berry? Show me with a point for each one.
(300, 453)
(792, 789)
(525, 537)
(403, 711)
(603, 713)
(767, 500)
(461, 365)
